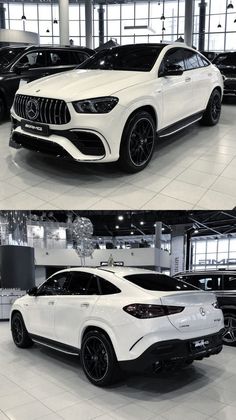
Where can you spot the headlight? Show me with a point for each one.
(96, 105)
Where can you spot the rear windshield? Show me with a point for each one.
(7, 55)
(129, 58)
(158, 282)
(225, 60)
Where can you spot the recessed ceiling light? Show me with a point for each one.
(141, 223)
(230, 5)
(120, 217)
(131, 233)
(117, 227)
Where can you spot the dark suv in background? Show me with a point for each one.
(20, 65)
(223, 283)
(226, 63)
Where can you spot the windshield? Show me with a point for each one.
(158, 282)
(7, 55)
(225, 59)
(128, 57)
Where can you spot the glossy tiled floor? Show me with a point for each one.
(40, 384)
(194, 169)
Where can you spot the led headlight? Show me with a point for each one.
(96, 105)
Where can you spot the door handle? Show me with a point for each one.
(51, 302)
(188, 79)
(84, 305)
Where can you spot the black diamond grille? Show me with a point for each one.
(50, 111)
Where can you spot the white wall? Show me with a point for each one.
(40, 275)
(18, 37)
(130, 257)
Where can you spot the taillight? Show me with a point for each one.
(144, 311)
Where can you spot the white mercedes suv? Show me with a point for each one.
(119, 318)
(113, 107)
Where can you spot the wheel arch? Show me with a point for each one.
(146, 107)
(219, 90)
(14, 311)
(104, 329)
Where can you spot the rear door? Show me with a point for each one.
(201, 79)
(72, 310)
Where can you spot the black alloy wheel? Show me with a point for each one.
(138, 141)
(229, 334)
(20, 335)
(212, 113)
(98, 359)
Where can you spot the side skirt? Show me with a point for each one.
(180, 125)
(55, 345)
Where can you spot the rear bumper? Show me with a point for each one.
(175, 351)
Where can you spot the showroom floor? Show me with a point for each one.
(194, 169)
(41, 384)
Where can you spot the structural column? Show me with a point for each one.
(89, 23)
(2, 16)
(101, 24)
(202, 25)
(188, 24)
(64, 21)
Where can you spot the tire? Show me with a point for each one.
(98, 359)
(229, 334)
(2, 108)
(212, 113)
(137, 142)
(20, 334)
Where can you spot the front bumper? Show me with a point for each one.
(88, 138)
(175, 351)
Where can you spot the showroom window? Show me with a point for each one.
(214, 252)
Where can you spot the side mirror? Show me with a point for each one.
(173, 70)
(33, 291)
(19, 68)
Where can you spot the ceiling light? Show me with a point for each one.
(55, 21)
(117, 227)
(163, 28)
(131, 233)
(141, 223)
(219, 25)
(234, 20)
(196, 231)
(23, 17)
(47, 31)
(162, 229)
(154, 224)
(230, 5)
(163, 17)
(120, 217)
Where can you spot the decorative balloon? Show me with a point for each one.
(82, 229)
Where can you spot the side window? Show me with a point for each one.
(230, 282)
(60, 58)
(204, 282)
(107, 288)
(79, 57)
(173, 57)
(33, 59)
(202, 61)
(191, 60)
(82, 283)
(56, 285)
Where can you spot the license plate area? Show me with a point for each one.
(35, 128)
(200, 345)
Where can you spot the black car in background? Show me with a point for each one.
(223, 283)
(210, 55)
(226, 63)
(24, 64)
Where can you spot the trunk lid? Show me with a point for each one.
(198, 314)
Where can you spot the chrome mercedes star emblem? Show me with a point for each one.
(202, 311)
(32, 109)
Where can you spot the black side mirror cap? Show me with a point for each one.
(173, 71)
(33, 291)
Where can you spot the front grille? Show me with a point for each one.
(88, 143)
(39, 145)
(45, 110)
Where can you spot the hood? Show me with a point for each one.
(83, 84)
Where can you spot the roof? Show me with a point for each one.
(204, 272)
